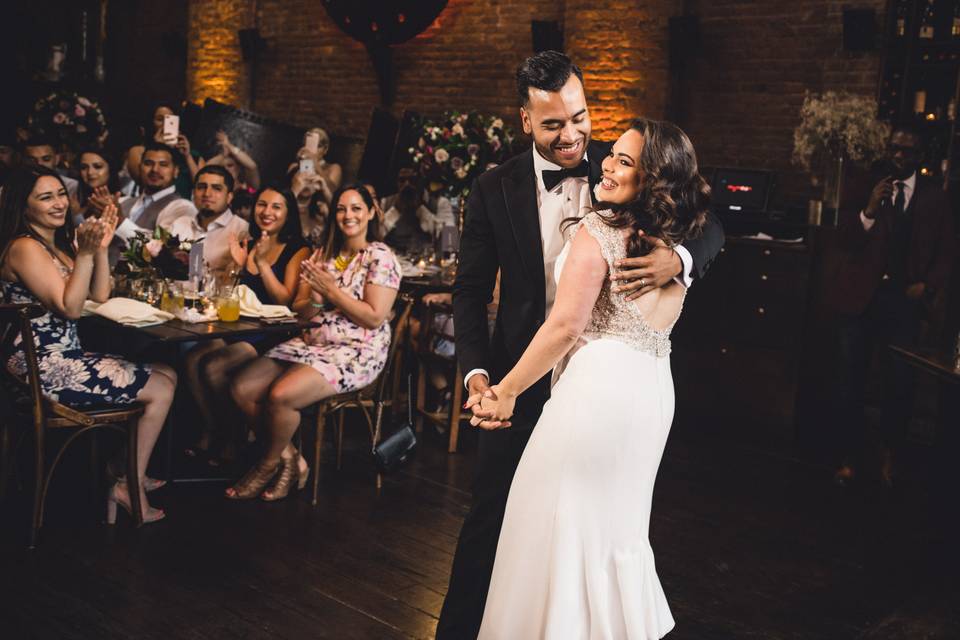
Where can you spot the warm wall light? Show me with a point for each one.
(215, 69)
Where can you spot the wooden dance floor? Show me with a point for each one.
(748, 543)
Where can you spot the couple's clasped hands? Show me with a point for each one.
(95, 234)
(492, 408)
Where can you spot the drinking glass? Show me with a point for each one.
(228, 304)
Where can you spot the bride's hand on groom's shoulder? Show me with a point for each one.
(637, 276)
(492, 409)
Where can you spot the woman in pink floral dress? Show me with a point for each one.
(349, 287)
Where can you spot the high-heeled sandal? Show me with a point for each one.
(291, 471)
(252, 484)
(113, 499)
(149, 484)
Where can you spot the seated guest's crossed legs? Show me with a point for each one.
(272, 394)
(201, 393)
(217, 366)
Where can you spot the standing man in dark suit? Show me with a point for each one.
(897, 254)
(514, 214)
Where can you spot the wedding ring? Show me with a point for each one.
(643, 283)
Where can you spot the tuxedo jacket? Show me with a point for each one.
(502, 232)
(865, 253)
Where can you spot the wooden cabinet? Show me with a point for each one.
(738, 344)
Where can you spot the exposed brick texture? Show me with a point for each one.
(739, 98)
(742, 94)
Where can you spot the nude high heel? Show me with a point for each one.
(113, 499)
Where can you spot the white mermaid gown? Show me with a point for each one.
(574, 559)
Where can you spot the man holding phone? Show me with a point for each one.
(896, 257)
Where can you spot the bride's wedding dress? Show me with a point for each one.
(574, 560)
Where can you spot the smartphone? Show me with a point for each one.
(307, 166)
(171, 128)
(311, 141)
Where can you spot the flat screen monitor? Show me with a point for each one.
(746, 190)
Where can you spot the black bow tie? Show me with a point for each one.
(553, 177)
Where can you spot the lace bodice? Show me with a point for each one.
(613, 315)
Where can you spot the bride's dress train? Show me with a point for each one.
(574, 560)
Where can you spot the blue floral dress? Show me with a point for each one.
(68, 374)
(348, 356)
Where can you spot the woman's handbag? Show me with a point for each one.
(391, 452)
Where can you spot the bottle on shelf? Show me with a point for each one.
(920, 101)
(900, 26)
(926, 21)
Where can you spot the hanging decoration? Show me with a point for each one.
(380, 25)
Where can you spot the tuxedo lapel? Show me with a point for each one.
(596, 173)
(520, 198)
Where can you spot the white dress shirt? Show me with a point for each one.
(176, 208)
(216, 237)
(909, 185)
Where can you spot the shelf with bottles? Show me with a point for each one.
(923, 22)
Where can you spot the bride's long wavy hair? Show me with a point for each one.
(673, 199)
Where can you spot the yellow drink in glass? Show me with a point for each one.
(228, 309)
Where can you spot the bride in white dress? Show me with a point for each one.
(574, 560)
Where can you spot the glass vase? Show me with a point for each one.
(833, 185)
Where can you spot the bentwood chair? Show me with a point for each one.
(32, 411)
(372, 400)
(434, 329)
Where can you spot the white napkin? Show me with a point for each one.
(129, 312)
(251, 306)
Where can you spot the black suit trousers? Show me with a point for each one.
(890, 318)
(499, 454)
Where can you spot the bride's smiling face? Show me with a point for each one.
(622, 175)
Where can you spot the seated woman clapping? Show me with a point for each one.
(349, 288)
(43, 260)
(270, 260)
(99, 183)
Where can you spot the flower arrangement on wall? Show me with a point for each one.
(452, 151)
(70, 118)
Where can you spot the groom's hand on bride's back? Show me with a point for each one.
(637, 276)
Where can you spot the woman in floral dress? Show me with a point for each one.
(43, 261)
(352, 284)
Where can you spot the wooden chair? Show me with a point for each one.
(33, 409)
(375, 397)
(428, 359)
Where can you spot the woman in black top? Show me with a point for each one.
(271, 260)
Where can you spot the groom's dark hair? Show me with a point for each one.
(547, 70)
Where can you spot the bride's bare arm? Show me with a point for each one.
(580, 283)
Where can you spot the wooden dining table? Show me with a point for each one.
(168, 341)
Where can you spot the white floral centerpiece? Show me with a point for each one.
(836, 127)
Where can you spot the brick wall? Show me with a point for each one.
(739, 98)
(621, 45)
(215, 68)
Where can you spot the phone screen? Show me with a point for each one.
(171, 128)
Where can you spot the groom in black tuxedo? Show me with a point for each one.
(514, 214)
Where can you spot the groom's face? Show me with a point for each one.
(559, 122)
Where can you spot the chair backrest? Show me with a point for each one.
(398, 329)
(15, 320)
(430, 332)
